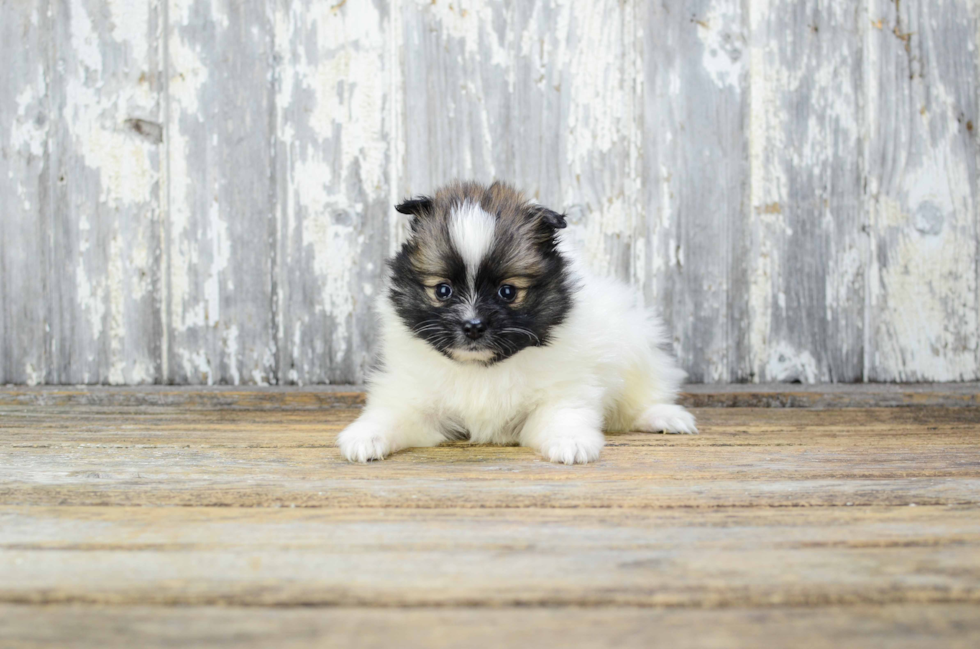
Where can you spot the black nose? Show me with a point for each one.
(474, 328)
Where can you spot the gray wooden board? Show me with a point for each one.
(334, 129)
(103, 219)
(923, 193)
(201, 192)
(694, 163)
(24, 166)
(541, 94)
(220, 193)
(806, 253)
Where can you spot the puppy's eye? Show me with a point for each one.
(507, 293)
(444, 291)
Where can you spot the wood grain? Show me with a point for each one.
(24, 193)
(152, 522)
(922, 182)
(201, 193)
(527, 557)
(694, 155)
(901, 626)
(541, 94)
(773, 395)
(104, 228)
(333, 99)
(806, 261)
(220, 194)
(746, 457)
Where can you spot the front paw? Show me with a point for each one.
(363, 441)
(571, 447)
(667, 418)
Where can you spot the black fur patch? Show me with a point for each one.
(524, 247)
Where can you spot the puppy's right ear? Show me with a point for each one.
(420, 207)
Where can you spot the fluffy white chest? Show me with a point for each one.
(489, 403)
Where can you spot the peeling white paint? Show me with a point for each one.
(803, 137)
(126, 173)
(188, 74)
(220, 254)
(764, 124)
(129, 21)
(196, 365)
(343, 76)
(232, 352)
(924, 210)
(117, 304)
(348, 89)
(926, 302)
(720, 31)
(26, 135)
(470, 22)
(346, 125)
(787, 364)
(335, 260)
(34, 375)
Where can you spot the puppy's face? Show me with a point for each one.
(480, 278)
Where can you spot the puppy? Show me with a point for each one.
(492, 332)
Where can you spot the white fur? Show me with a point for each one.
(468, 356)
(604, 368)
(471, 230)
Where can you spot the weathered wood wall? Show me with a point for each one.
(200, 191)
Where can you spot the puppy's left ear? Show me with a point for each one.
(549, 218)
(545, 222)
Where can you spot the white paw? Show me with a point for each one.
(667, 418)
(362, 442)
(573, 448)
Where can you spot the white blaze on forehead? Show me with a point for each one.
(471, 230)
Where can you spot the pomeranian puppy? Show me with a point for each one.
(492, 332)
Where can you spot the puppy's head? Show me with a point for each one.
(480, 278)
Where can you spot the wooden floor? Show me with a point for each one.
(223, 518)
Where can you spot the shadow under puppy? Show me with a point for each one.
(493, 332)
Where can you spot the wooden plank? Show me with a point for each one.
(333, 98)
(950, 395)
(795, 523)
(221, 226)
(189, 397)
(909, 428)
(24, 169)
(745, 457)
(541, 94)
(102, 318)
(901, 626)
(694, 163)
(180, 529)
(922, 182)
(834, 395)
(202, 193)
(105, 165)
(806, 256)
(525, 557)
